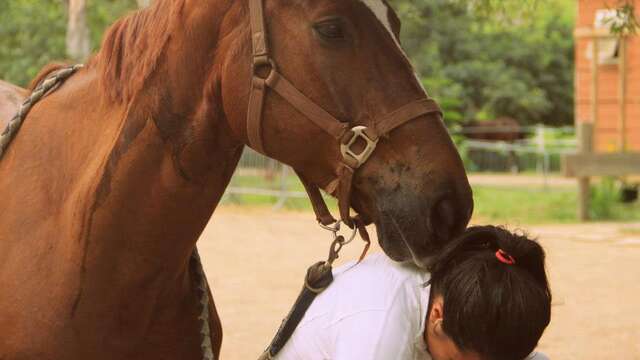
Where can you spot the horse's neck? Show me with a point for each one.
(173, 156)
(161, 182)
(110, 200)
(133, 185)
(110, 197)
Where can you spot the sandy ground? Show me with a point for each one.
(256, 261)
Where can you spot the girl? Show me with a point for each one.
(485, 297)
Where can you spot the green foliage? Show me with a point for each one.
(32, 33)
(494, 58)
(101, 14)
(603, 197)
(625, 21)
(606, 202)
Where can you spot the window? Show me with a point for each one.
(608, 48)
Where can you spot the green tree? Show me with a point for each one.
(481, 64)
(32, 33)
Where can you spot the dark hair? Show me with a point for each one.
(494, 309)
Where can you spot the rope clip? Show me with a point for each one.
(335, 229)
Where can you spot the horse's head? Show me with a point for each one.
(345, 56)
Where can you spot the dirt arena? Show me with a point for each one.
(256, 260)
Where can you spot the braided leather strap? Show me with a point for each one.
(203, 289)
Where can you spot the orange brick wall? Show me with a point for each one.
(607, 129)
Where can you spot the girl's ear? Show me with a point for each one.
(436, 316)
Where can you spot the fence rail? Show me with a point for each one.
(540, 151)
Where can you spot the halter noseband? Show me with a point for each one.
(347, 137)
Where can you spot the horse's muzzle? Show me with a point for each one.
(413, 228)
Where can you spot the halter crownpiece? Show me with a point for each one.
(266, 75)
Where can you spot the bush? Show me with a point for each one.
(32, 33)
(604, 197)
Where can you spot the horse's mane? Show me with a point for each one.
(44, 72)
(132, 47)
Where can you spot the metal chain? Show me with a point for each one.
(41, 91)
(9, 133)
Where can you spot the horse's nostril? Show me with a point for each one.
(443, 218)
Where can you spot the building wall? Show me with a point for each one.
(607, 128)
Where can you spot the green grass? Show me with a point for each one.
(292, 184)
(540, 206)
(630, 231)
(524, 205)
(493, 204)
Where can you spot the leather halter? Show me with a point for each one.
(347, 137)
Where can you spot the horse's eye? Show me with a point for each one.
(330, 29)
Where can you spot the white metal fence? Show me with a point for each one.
(538, 153)
(540, 150)
(259, 175)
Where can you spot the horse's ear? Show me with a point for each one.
(394, 20)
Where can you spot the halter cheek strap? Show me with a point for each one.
(266, 75)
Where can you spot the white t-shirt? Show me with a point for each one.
(375, 310)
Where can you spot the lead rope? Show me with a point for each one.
(319, 277)
(203, 288)
(52, 83)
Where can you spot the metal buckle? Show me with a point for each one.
(261, 63)
(362, 157)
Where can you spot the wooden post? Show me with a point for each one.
(585, 136)
(78, 46)
(594, 84)
(622, 92)
(585, 141)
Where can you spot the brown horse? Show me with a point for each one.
(501, 129)
(504, 129)
(11, 97)
(112, 178)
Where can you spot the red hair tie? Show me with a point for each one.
(505, 258)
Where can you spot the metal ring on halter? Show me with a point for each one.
(354, 233)
(263, 63)
(335, 228)
(353, 158)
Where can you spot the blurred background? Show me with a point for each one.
(542, 98)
